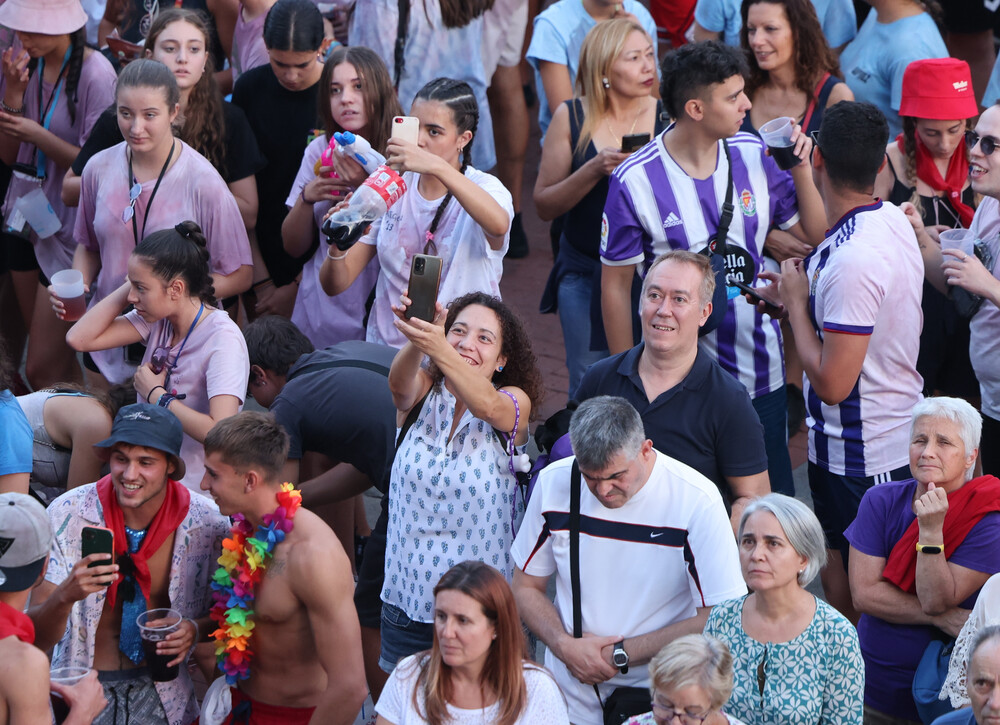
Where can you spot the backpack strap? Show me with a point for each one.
(363, 364)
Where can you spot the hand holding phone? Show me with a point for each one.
(634, 141)
(98, 540)
(754, 297)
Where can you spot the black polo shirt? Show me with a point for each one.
(706, 421)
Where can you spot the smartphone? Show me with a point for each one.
(406, 128)
(634, 142)
(98, 540)
(425, 276)
(747, 289)
(123, 50)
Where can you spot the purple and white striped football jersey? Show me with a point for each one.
(866, 278)
(654, 206)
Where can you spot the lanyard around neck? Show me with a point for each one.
(177, 358)
(45, 116)
(135, 189)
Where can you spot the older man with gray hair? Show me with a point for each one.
(983, 682)
(921, 550)
(658, 549)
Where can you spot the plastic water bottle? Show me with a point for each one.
(372, 199)
(357, 148)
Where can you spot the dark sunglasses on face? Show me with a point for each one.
(987, 144)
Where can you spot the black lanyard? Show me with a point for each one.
(149, 205)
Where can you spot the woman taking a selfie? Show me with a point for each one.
(453, 486)
(450, 210)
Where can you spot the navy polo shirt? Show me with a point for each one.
(706, 421)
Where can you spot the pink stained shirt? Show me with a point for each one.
(191, 189)
(327, 320)
(213, 362)
(95, 92)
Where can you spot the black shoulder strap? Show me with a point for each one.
(574, 548)
(411, 418)
(727, 208)
(363, 364)
(402, 28)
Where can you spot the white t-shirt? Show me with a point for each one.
(984, 340)
(545, 704)
(866, 278)
(652, 562)
(327, 320)
(469, 263)
(213, 362)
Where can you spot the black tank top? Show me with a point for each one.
(933, 209)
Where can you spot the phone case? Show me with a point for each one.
(425, 276)
(406, 128)
(97, 540)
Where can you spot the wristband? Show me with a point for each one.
(197, 630)
(150, 393)
(302, 195)
(167, 398)
(11, 110)
(335, 259)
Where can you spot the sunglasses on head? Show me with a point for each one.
(987, 144)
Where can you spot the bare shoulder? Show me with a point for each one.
(316, 558)
(21, 664)
(840, 92)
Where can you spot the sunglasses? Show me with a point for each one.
(987, 144)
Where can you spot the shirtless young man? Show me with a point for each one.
(306, 665)
(166, 542)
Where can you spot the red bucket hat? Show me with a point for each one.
(938, 88)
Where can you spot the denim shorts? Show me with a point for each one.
(401, 637)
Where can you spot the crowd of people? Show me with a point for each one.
(194, 561)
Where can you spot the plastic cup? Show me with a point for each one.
(154, 626)
(777, 134)
(64, 676)
(67, 285)
(39, 214)
(962, 239)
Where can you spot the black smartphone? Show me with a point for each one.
(98, 540)
(425, 276)
(747, 289)
(634, 142)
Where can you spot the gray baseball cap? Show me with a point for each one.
(25, 541)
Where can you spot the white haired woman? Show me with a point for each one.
(796, 660)
(690, 679)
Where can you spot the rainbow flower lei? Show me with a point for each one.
(244, 560)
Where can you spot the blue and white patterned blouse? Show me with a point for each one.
(449, 501)
(818, 678)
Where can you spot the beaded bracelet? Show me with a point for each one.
(10, 109)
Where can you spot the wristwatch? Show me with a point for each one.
(929, 549)
(620, 657)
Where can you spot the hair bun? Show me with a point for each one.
(191, 231)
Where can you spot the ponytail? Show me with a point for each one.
(180, 252)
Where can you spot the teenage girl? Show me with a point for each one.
(355, 94)
(54, 89)
(450, 209)
(150, 182)
(196, 362)
(280, 102)
(217, 130)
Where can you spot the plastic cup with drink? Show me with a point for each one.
(154, 626)
(777, 134)
(68, 676)
(962, 239)
(67, 285)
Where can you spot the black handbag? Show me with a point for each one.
(716, 252)
(623, 702)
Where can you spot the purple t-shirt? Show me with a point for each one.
(892, 651)
(95, 92)
(248, 44)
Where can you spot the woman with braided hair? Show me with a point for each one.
(927, 165)
(450, 209)
(54, 89)
(894, 35)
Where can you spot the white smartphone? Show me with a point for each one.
(406, 128)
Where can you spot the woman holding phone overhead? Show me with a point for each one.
(583, 146)
(450, 210)
(147, 183)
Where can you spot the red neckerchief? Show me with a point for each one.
(958, 174)
(966, 507)
(13, 622)
(167, 519)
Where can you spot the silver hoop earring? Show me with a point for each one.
(605, 82)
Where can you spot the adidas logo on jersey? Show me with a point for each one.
(672, 220)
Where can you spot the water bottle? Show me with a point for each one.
(372, 199)
(357, 148)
